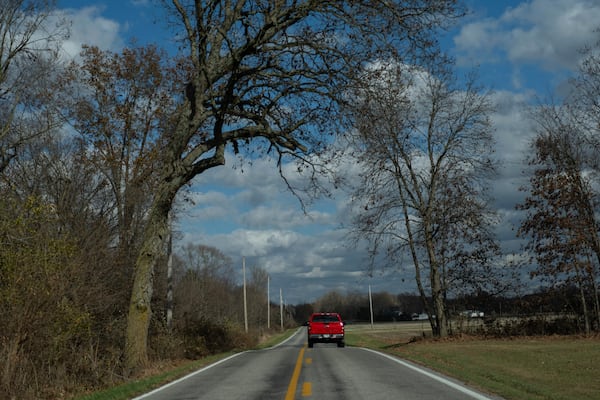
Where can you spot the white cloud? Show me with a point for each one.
(281, 216)
(512, 124)
(513, 132)
(255, 243)
(547, 33)
(90, 28)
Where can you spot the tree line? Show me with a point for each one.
(546, 310)
(96, 153)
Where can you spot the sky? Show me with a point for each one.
(524, 51)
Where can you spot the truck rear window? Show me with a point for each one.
(325, 318)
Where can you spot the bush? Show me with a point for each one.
(203, 337)
(61, 331)
(533, 326)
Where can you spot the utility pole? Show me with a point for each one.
(371, 306)
(268, 302)
(245, 301)
(281, 308)
(170, 275)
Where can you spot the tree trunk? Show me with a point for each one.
(584, 306)
(170, 278)
(140, 312)
(416, 263)
(441, 327)
(595, 300)
(438, 303)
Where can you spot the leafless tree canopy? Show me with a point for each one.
(424, 146)
(276, 70)
(28, 53)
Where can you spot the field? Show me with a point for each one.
(549, 368)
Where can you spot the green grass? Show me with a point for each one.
(549, 368)
(135, 388)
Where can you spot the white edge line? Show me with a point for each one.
(206, 368)
(438, 378)
(282, 343)
(187, 376)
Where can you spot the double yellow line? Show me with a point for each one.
(306, 386)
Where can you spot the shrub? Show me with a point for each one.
(202, 337)
(532, 326)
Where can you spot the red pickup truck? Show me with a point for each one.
(325, 328)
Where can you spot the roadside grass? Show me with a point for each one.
(531, 368)
(156, 376)
(274, 339)
(161, 374)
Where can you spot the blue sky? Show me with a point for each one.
(524, 51)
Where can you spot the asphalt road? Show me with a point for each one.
(293, 371)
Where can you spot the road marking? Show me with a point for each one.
(308, 360)
(306, 389)
(175, 382)
(188, 376)
(291, 392)
(284, 342)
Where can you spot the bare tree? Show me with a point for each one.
(424, 143)
(260, 77)
(118, 103)
(332, 301)
(205, 285)
(257, 298)
(29, 43)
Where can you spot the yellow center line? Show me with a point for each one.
(306, 389)
(291, 392)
